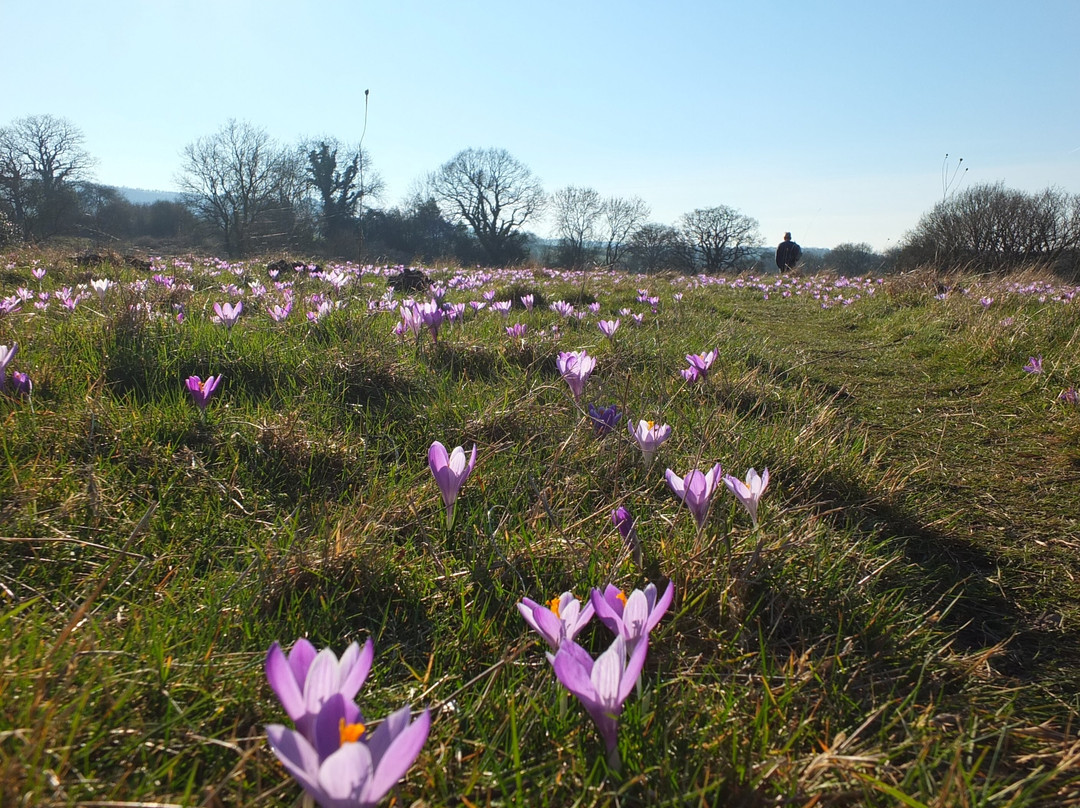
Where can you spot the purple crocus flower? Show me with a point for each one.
(749, 493)
(305, 679)
(227, 313)
(603, 420)
(609, 327)
(701, 364)
(451, 470)
(202, 390)
(1069, 396)
(562, 308)
(696, 490)
(342, 767)
(649, 435)
(432, 315)
(516, 331)
(21, 384)
(631, 616)
(557, 621)
(528, 301)
(279, 313)
(627, 527)
(602, 686)
(6, 355)
(1034, 365)
(575, 367)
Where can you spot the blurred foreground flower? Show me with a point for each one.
(344, 766)
(696, 490)
(557, 621)
(305, 679)
(6, 355)
(749, 493)
(649, 435)
(202, 390)
(575, 367)
(602, 686)
(450, 471)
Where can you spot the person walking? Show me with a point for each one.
(787, 254)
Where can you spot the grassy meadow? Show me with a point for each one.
(901, 628)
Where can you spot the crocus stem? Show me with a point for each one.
(614, 762)
(451, 511)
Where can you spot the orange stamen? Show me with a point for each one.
(553, 604)
(350, 733)
(621, 597)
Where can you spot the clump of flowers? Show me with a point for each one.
(699, 366)
(330, 752)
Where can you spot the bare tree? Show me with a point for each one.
(995, 227)
(853, 259)
(41, 157)
(619, 218)
(577, 212)
(492, 192)
(653, 247)
(234, 180)
(719, 237)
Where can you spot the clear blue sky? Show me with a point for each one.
(829, 119)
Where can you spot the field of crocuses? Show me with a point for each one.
(535, 537)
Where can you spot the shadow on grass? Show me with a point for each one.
(952, 570)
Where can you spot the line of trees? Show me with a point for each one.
(248, 194)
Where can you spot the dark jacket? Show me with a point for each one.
(787, 255)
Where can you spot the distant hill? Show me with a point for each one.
(141, 196)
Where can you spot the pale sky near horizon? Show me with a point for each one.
(828, 119)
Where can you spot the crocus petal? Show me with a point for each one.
(573, 672)
(284, 682)
(676, 483)
(357, 664)
(633, 669)
(343, 775)
(301, 656)
(392, 764)
(658, 608)
(296, 754)
(322, 681)
(548, 625)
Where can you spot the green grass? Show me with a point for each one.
(900, 630)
